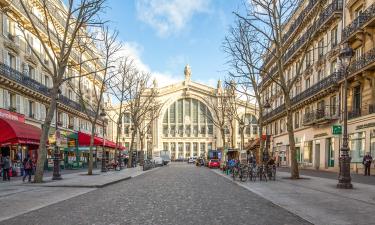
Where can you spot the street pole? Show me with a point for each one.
(103, 169)
(266, 105)
(56, 156)
(344, 181)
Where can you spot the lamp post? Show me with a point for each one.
(344, 181)
(265, 151)
(56, 156)
(103, 169)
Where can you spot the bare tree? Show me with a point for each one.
(58, 34)
(140, 101)
(267, 20)
(118, 89)
(245, 59)
(219, 106)
(93, 107)
(148, 119)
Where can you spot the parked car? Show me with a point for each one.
(158, 161)
(213, 163)
(164, 154)
(192, 159)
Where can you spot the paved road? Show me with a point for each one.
(357, 178)
(176, 194)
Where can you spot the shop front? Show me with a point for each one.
(17, 140)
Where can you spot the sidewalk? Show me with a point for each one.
(316, 199)
(17, 198)
(97, 180)
(357, 178)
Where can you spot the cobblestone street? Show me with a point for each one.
(176, 194)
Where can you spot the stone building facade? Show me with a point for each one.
(317, 97)
(184, 126)
(25, 84)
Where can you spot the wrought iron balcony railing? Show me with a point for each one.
(26, 81)
(327, 82)
(354, 113)
(325, 15)
(362, 62)
(321, 115)
(358, 22)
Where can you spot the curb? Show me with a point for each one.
(89, 186)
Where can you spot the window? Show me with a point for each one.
(209, 146)
(333, 66)
(358, 53)
(333, 104)
(320, 75)
(320, 48)
(357, 143)
(165, 146)
(165, 130)
(255, 129)
(296, 120)
(307, 83)
(307, 152)
(372, 143)
(334, 37)
(357, 98)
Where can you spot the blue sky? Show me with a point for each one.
(164, 35)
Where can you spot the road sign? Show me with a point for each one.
(336, 129)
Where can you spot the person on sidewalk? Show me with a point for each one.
(28, 167)
(367, 160)
(6, 168)
(1, 164)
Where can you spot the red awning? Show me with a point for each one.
(84, 140)
(15, 132)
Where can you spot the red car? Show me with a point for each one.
(213, 163)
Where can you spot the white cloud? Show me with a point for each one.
(134, 51)
(169, 16)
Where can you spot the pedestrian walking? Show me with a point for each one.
(1, 164)
(6, 167)
(28, 167)
(367, 160)
(126, 159)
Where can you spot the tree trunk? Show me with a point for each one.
(261, 141)
(91, 158)
(42, 151)
(131, 150)
(292, 145)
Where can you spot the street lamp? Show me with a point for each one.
(103, 169)
(266, 105)
(56, 156)
(345, 56)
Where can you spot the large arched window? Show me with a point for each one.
(251, 124)
(187, 118)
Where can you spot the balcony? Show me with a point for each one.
(319, 116)
(363, 62)
(359, 22)
(354, 113)
(324, 18)
(323, 85)
(20, 78)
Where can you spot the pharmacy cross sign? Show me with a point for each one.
(336, 129)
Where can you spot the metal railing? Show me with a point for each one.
(363, 61)
(325, 83)
(326, 113)
(358, 22)
(26, 81)
(334, 7)
(354, 113)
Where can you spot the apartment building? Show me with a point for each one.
(317, 96)
(25, 84)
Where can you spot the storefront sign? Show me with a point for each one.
(320, 135)
(336, 129)
(12, 115)
(366, 125)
